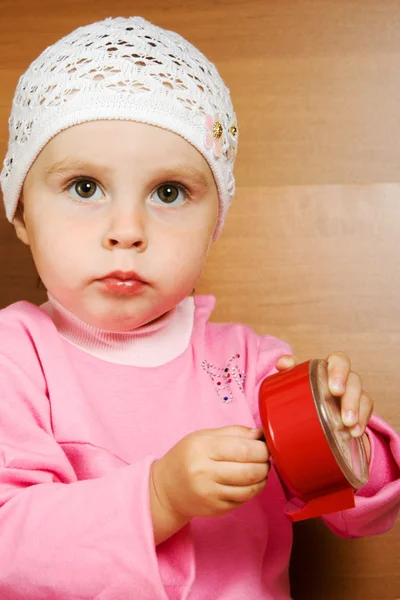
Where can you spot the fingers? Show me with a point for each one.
(356, 406)
(236, 431)
(239, 450)
(236, 495)
(241, 474)
(339, 367)
(366, 408)
(350, 403)
(286, 362)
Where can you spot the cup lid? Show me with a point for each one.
(348, 451)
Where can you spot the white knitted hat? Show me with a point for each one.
(127, 69)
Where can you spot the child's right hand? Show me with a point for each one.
(209, 472)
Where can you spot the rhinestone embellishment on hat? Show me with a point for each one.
(221, 138)
(222, 377)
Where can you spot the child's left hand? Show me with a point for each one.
(356, 404)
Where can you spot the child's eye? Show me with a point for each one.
(169, 193)
(85, 189)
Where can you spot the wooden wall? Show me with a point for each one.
(311, 248)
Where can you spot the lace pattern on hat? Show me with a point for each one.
(113, 67)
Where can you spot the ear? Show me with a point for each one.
(19, 224)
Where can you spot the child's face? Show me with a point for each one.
(111, 196)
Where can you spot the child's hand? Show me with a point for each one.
(356, 404)
(208, 472)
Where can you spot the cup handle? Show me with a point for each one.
(334, 502)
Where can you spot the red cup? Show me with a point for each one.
(314, 454)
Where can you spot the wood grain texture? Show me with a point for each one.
(311, 248)
(318, 266)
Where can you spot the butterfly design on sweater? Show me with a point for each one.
(222, 377)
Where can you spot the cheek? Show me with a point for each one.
(185, 260)
(187, 239)
(53, 249)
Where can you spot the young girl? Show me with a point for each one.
(130, 463)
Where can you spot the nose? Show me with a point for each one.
(126, 229)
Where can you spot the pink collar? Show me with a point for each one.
(147, 346)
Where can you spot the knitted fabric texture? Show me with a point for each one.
(126, 69)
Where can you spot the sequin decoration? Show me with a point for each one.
(215, 138)
(217, 129)
(222, 377)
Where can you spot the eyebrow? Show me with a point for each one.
(70, 164)
(174, 171)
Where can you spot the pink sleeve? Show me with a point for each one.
(60, 537)
(378, 502)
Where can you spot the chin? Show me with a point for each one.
(124, 320)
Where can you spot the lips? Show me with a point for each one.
(122, 283)
(123, 276)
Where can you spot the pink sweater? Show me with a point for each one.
(78, 434)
